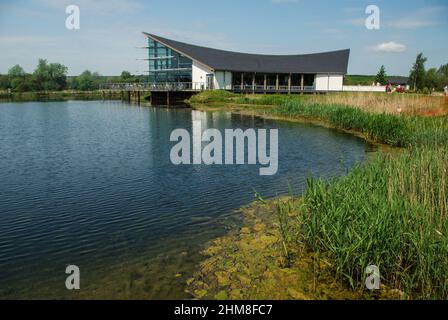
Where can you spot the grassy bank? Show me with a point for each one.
(391, 212)
(57, 96)
(398, 130)
(413, 104)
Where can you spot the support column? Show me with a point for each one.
(168, 98)
(242, 81)
(289, 84)
(265, 84)
(253, 83)
(302, 81)
(276, 83)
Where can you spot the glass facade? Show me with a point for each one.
(166, 65)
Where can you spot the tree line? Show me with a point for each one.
(420, 79)
(53, 77)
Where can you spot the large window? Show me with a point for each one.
(166, 65)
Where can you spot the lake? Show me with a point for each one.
(91, 184)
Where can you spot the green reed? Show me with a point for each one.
(392, 213)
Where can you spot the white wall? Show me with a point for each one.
(223, 80)
(364, 88)
(332, 82)
(199, 74)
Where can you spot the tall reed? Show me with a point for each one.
(392, 213)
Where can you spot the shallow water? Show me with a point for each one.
(91, 184)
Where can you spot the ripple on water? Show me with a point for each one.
(91, 184)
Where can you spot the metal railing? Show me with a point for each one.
(198, 86)
(160, 86)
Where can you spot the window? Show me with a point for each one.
(166, 65)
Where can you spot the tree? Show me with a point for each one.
(381, 76)
(86, 81)
(18, 79)
(417, 74)
(51, 76)
(4, 81)
(16, 71)
(126, 76)
(432, 79)
(443, 74)
(443, 70)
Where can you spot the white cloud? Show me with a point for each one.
(390, 46)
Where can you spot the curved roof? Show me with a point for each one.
(325, 62)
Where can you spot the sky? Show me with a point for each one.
(109, 36)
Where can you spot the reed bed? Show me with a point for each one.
(392, 213)
(372, 102)
(395, 130)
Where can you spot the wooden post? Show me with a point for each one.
(302, 81)
(242, 81)
(276, 83)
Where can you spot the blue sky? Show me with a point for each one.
(111, 31)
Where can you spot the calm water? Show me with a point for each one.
(91, 184)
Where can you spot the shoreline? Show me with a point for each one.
(254, 262)
(230, 107)
(417, 142)
(58, 96)
(296, 279)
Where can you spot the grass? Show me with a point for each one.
(392, 211)
(57, 96)
(415, 104)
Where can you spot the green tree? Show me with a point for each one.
(19, 80)
(4, 82)
(51, 76)
(126, 76)
(86, 81)
(16, 71)
(417, 74)
(432, 79)
(381, 76)
(443, 75)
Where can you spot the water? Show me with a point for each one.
(91, 184)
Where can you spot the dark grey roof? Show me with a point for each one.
(325, 62)
(398, 80)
